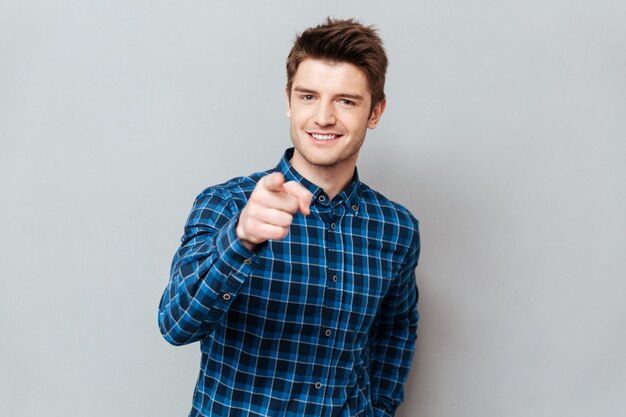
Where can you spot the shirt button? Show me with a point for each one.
(334, 278)
(247, 262)
(354, 207)
(328, 332)
(321, 198)
(318, 385)
(332, 226)
(226, 296)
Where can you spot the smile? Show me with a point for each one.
(318, 136)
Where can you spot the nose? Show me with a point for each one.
(325, 114)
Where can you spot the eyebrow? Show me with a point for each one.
(346, 95)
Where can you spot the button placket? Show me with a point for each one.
(330, 308)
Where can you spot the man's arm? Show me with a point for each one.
(207, 272)
(393, 338)
(217, 254)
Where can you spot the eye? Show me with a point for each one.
(307, 97)
(346, 102)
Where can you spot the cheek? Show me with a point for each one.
(357, 123)
(299, 115)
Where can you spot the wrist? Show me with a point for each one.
(241, 236)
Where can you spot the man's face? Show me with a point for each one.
(329, 108)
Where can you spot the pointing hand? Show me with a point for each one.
(270, 210)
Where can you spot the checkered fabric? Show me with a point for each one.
(321, 323)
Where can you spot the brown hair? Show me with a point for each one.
(343, 41)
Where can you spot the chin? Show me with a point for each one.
(324, 160)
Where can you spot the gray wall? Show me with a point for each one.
(504, 134)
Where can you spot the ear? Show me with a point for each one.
(377, 113)
(288, 103)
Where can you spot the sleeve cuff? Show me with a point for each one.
(234, 263)
(233, 255)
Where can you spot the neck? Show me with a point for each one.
(332, 179)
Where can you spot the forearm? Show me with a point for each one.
(392, 347)
(207, 273)
(393, 336)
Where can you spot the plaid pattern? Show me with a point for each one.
(322, 323)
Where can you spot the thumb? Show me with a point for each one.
(302, 194)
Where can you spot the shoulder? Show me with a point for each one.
(236, 190)
(216, 204)
(397, 220)
(388, 210)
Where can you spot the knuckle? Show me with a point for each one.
(278, 233)
(283, 232)
(285, 219)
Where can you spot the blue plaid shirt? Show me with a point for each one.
(321, 323)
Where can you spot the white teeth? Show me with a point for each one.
(323, 137)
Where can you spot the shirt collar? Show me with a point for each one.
(350, 196)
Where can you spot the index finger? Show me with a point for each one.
(273, 182)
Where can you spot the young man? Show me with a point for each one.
(299, 282)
